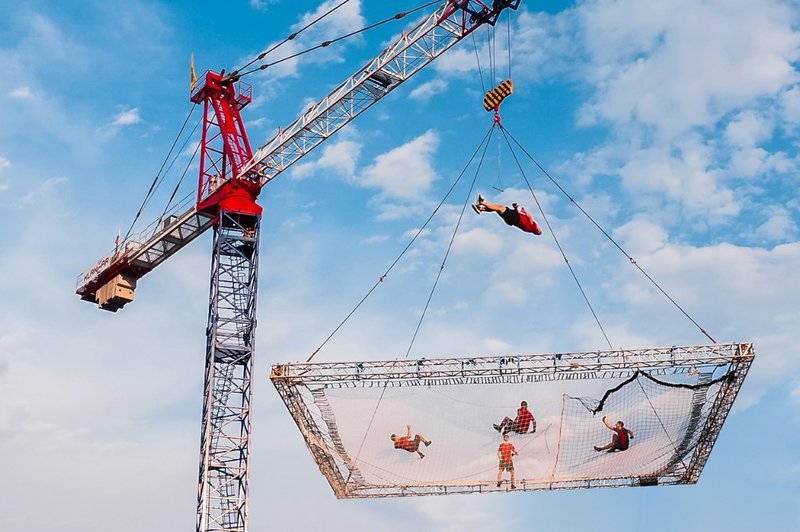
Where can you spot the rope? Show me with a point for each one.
(555, 239)
(631, 259)
(452, 239)
(158, 176)
(408, 246)
(324, 44)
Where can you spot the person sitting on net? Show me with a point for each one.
(619, 441)
(514, 215)
(408, 444)
(520, 424)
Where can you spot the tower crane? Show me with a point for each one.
(231, 178)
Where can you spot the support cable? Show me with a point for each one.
(324, 44)
(408, 246)
(452, 239)
(183, 175)
(294, 35)
(485, 143)
(555, 239)
(508, 45)
(631, 259)
(158, 176)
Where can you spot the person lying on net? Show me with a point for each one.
(619, 441)
(504, 454)
(406, 443)
(514, 215)
(519, 424)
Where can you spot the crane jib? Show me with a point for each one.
(232, 174)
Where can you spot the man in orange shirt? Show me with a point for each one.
(407, 444)
(504, 454)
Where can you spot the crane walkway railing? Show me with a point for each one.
(153, 245)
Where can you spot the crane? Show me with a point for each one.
(230, 180)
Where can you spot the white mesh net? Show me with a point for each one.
(452, 446)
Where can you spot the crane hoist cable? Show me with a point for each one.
(604, 232)
(235, 75)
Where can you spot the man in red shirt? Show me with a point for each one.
(504, 454)
(620, 441)
(520, 424)
(407, 444)
(514, 215)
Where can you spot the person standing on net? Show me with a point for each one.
(504, 454)
(620, 441)
(406, 443)
(520, 424)
(515, 215)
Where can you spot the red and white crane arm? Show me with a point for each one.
(112, 280)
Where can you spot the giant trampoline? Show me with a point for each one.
(674, 399)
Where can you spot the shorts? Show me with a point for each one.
(510, 216)
(506, 465)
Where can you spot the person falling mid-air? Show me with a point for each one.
(407, 443)
(619, 441)
(514, 215)
(520, 424)
(504, 454)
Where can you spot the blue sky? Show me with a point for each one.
(674, 123)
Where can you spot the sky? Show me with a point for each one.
(674, 124)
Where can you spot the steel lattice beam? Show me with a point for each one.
(222, 497)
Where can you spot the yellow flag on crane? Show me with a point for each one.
(194, 74)
(496, 96)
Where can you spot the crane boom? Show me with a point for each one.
(112, 280)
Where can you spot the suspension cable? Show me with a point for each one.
(452, 239)
(183, 175)
(294, 35)
(382, 278)
(158, 176)
(555, 239)
(508, 44)
(630, 258)
(325, 44)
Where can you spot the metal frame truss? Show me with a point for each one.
(222, 498)
(294, 383)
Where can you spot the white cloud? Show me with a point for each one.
(427, 90)
(686, 176)
(340, 157)
(675, 65)
(748, 129)
(128, 118)
(4, 163)
(404, 172)
(22, 93)
(778, 226)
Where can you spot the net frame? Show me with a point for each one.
(315, 419)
